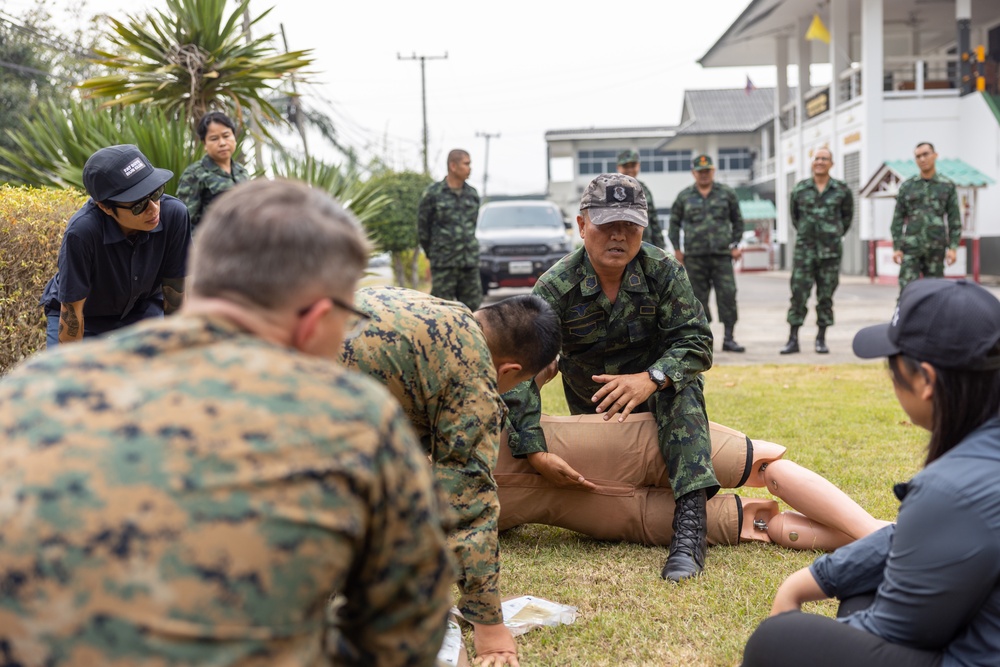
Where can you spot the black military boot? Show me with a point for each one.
(730, 345)
(686, 557)
(821, 347)
(792, 346)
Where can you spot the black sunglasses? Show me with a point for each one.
(138, 207)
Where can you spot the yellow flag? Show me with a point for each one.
(818, 31)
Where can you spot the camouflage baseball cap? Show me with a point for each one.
(614, 197)
(701, 163)
(628, 156)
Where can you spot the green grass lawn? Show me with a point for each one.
(840, 421)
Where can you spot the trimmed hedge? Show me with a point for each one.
(32, 221)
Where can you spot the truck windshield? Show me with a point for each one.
(505, 217)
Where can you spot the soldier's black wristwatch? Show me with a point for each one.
(657, 376)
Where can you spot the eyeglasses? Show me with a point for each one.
(356, 320)
(138, 207)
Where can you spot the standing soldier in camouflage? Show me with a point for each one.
(192, 491)
(822, 209)
(447, 367)
(628, 164)
(446, 228)
(710, 214)
(634, 339)
(922, 242)
(217, 171)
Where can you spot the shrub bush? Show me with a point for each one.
(32, 221)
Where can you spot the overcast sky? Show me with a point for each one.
(516, 68)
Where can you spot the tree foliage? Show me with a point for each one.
(363, 198)
(38, 64)
(190, 59)
(54, 144)
(394, 228)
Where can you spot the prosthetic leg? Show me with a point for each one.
(634, 501)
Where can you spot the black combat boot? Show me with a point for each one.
(686, 557)
(792, 346)
(730, 345)
(821, 347)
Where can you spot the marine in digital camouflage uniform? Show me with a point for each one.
(433, 357)
(649, 338)
(629, 164)
(203, 181)
(922, 240)
(446, 229)
(192, 491)
(713, 227)
(446, 366)
(820, 218)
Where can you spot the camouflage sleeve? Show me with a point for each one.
(735, 216)
(189, 192)
(793, 207)
(847, 209)
(683, 326)
(654, 233)
(676, 218)
(954, 219)
(425, 220)
(898, 217)
(398, 596)
(524, 413)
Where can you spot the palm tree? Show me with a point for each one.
(192, 59)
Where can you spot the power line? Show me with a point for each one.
(423, 93)
(486, 161)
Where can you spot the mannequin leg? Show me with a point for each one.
(634, 502)
(818, 499)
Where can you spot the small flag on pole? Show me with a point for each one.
(749, 87)
(817, 30)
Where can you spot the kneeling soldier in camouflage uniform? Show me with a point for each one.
(635, 339)
(822, 209)
(192, 491)
(922, 242)
(447, 367)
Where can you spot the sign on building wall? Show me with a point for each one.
(818, 103)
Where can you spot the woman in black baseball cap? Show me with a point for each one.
(926, 590)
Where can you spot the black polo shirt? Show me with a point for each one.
(120, 278)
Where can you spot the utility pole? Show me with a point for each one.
(423, 94)
(486, 162)
(258, 151)
(294, 103)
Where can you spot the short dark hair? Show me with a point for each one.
(265, 242)
(926, 143)
(214, 117)
(525, 328)
(963, 401)
(456, 155)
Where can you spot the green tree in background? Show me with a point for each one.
(191, 59)
(394, 228)
(53, 144)
(38, 66)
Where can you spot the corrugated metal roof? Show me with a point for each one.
(758, 209)
(726, 110)
(964, 175)
(660, 131)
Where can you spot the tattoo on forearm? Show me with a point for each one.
(71, 321)
(173, 295)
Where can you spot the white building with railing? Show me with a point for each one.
(898, 78)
